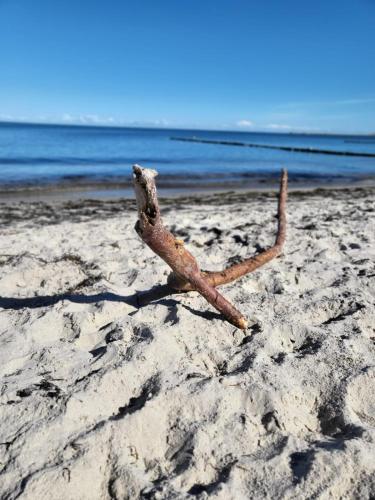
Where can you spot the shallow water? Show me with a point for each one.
(45, 154)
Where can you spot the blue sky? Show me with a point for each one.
(276, 65)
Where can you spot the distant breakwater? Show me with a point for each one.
(280, 148)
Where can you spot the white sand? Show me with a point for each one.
(102, 400)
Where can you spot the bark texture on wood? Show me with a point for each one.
(150, 228)
(186, 275)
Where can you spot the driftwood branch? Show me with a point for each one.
(150, 228)
(217, 278)
(186, 275)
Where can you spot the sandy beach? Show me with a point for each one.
(103, 399)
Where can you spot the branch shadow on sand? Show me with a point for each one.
(137, 300)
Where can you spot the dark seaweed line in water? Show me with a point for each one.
(281, 148)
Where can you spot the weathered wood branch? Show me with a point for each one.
(217, 278)
(186, 274)
(150, 228)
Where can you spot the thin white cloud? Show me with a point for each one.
(16, 119)
(6, 118)
(282, 127)
(92, 119)
(354, 101)
(278, 126)
(66, 117)
(87, 119)
(342, 102)
(150, 123)
(245, 123)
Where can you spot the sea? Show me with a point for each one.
(59, 156)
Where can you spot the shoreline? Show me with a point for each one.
(107, 190)
(56, 210)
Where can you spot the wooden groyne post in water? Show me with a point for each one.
(281, 148)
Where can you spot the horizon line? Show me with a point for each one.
(158, 127)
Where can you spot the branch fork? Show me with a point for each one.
(186, 274)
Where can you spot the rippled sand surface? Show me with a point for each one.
(102, 399)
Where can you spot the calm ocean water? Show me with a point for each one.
(38, 155)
